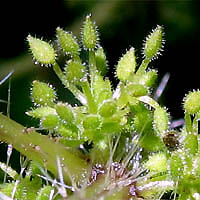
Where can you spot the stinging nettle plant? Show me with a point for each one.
(116, 144)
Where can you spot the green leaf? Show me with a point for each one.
(101, 89)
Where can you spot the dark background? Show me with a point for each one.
(122, 24)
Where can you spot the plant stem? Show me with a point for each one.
(143, 66)
(92, 63)
(58, 71)
(92, 66)
(188, 123)
(43, 150)
(75, 91)
(90, 100)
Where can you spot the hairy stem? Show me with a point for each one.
(92, 66)
(92, 63)
(75, 91)
(43, 150)
(143, 66)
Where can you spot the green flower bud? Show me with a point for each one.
(67, 42)
(111, 125)
(191, 143)
(91, 122)
(102, 89)
(192, 102)
(41, 112)
(101, 62)
(137, 90)
(89, 34)
(196, 166)
(161, 120)
(176, 165)
(43, 94)
(74, 71)
(107, 108)
(157, 163)
(66, 132)
(65, 112)
(149, 78)
(154, 43)
(50, 121)
(126, 65)
(42, 51)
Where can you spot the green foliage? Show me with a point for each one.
(127, 147)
